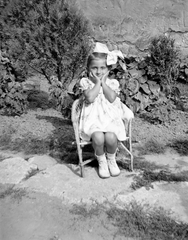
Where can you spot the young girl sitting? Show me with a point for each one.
(103, 113)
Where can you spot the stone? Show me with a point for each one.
(170, 161)
(133, 23)
(43, 162)
(64, 181)
(172, 197)
(14, 170)
(31, 85)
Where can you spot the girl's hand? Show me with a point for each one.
(103, 80)
(94, 78)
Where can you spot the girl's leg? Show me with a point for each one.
(111, 143)
(98, 142)
(98, 145)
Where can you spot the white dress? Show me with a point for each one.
(101, 115)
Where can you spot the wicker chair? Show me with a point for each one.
(75, 116)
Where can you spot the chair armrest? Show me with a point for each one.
(128, 126)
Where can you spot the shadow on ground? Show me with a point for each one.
(181, 146)
(39, 99)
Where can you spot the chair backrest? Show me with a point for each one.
(76, 110)
(75, 116)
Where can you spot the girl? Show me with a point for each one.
(102, 114)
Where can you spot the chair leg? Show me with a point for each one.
(82, 171)
(80, 160)
(131, 164)
(129, 151)
(130, 145)
(131, 155)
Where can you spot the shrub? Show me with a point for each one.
(54, 38)
(163, 63)
(149, 84)
(13, 101)
(183, 74)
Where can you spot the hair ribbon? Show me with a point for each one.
(112, 56)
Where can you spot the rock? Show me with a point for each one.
(30, 85)
(64, 181)
(14, 170)
(130, 25)
(43, 162)
(172, 197)
(169, 160)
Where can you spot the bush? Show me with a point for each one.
(149, 84)
(183, 74)
(13, 101)
(163, 63)
(52, 37)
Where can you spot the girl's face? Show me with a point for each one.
(98, 67)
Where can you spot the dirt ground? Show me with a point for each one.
(38, 216)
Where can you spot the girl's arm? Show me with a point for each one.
(108, 92)
(91, 94)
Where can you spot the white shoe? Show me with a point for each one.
(103, 166)
(112, 165)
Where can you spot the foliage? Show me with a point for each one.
(64, 99)
(183, 73)
(163, 63)
(51, 36)
(137, 91)
(147, 88)
(15, 193)
(13, 101)
(159, 112)
(180, 145)
(142, 221)
(149, 84)
(153, 146)
(134, 220)
(147, 177)
(9, 43)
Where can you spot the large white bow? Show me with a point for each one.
(112, 56)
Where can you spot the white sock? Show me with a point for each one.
(100, 156)
(111, 155)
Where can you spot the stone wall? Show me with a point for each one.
(130, 24)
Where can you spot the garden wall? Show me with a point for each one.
(130, 24)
